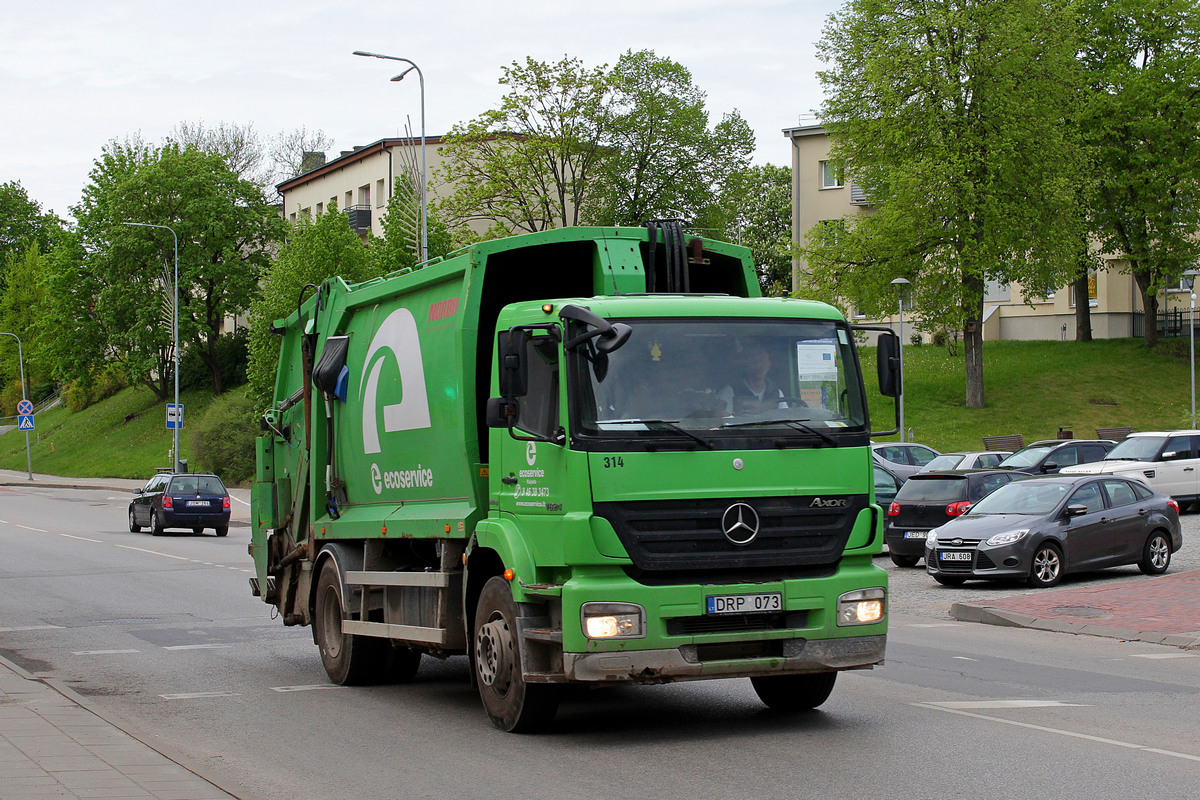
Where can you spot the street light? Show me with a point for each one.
(424, 176)
(175, 339)
(901, 285)
(24, 397)
(1189, 279)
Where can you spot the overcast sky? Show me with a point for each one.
(75, 74)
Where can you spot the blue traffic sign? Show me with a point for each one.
(25, 422)
(174, 416)
(25, 407)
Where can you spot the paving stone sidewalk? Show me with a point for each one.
(52, 746)
(1162, 610)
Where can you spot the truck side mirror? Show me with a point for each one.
(500, 413)
(513, 369)
(888, 364)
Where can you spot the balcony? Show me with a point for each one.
(360, 218)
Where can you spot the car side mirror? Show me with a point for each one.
(1169, 455)
(137, 491)
(1049, 466)
(1076, 510)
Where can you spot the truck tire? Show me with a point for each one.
(794, 692)
(512, 704)
(348, 660)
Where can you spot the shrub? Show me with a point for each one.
(231, 361)
(9, 397)
(223, 441)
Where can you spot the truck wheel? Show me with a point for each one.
(402, 664)
(133, 526)
(794, 692)
(348, 660)
(512, 704)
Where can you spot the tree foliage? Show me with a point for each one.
(755, 210)
(23, 313)
(400, 246)
(23, 223)
(126, 275)
(950, 114)
(314, 251)
(1142, 118)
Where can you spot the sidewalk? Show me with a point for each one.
(54, 745)
(1162, 610)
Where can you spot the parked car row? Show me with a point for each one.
(1049, 509)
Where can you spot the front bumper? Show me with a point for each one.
(682, 664)
(1003, 562)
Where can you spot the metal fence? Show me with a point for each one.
(1171, 323)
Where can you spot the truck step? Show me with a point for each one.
(552, 635)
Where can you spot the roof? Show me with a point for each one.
(357, 154)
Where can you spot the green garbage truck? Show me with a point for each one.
(581, 456)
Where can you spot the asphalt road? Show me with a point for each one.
(163, 632)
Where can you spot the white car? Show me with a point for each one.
(1166, 461)
(976, 459)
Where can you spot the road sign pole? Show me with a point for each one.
(25, 405)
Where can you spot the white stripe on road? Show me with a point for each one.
(26, 527)
(310, 688)
(195, 695)
(1163, 655)
(152, 552)
(1059, 731)
(81, 538)
(32, 628)
(981, 704)
(197, 646)
(103, 652)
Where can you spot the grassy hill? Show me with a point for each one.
(1032, 388)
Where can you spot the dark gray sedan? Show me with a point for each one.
(1039, 529)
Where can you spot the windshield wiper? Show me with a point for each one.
(672, 424)
(791, 423)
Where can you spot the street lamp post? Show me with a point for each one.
(1189, 278)
(901, 285)
(24, 397)
(175, 340)
(424, 175)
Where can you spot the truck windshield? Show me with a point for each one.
(725, 378)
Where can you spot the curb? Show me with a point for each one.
(170, 753)
(966, 612)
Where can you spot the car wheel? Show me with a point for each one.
(1047, 567)
(133, 526)
(949, 580)
(1156, 555)
(156, 528)
(904, 561)
(221, 530)
(794, 692)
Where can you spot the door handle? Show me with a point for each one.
(1142, 512)
(1104, 520)
(1189, 469)
(509, 479)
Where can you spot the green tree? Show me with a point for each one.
(400, 246)
(22, 223)
(314, 251)
(755, 209)
(950, 114)
(530, 164)
(1142, 59)
(664, 159)
(23, 312)
(224, 227)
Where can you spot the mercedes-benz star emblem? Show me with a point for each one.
(739, 523)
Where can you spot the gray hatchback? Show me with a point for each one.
(1039, 529)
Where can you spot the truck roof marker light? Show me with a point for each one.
(508, 574)
(383, 530)
(464, 559)
(547, 308)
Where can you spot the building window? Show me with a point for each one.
(379, 201)
(292, 217)
(1092, 293)
(364, 195)
(332, 203)
(320, 209)
(349, 200)
(831, 177)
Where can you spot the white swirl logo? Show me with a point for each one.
(531, 453)
(376, 479)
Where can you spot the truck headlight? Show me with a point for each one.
(613, 620)
(861, 607)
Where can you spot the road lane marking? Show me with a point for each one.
(965, 658)
(151, 552)
(32, 628)
(26, 527)
(103, 652)
(1163, 655)
(197, 695)
(934, 625)
(1059, 731)
(309, 688)
(81, 538)
(197, 646)
(983, 704)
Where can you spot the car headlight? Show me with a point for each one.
(1008, 537)
(861, 607)
(931, 538)
(613, 620)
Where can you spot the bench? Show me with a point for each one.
(1116, 434)
(1012, 443)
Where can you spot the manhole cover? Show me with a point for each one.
(1087, 612)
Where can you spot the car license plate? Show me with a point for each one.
(194, 503)
(915, 534)
(954, 555)
(744, 603)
